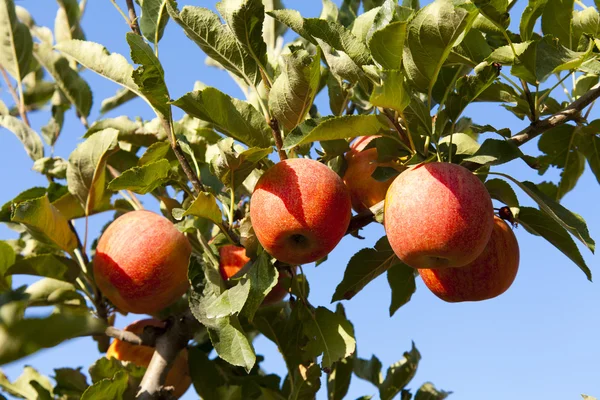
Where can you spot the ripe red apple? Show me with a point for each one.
(233, 258)
(300, 210)
(365, 191)
(141, 262)
(490, 275)
(178, 376)
(438, 215)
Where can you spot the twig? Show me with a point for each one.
(278, 140)
(364, 218)
(147, 338)
(133, 22)
(18, 102)
(530, 101)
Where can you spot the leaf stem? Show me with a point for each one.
(120, 11)
(18, 98)
(513, 83)
(543, 97)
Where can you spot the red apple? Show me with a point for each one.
(178, 376)
(300, 210)
(141, 262)
(490, 275)
(438, 215)
(365, 191)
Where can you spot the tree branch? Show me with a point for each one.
(133, 22)
(278, 140)
(18, 102)
(147, 338)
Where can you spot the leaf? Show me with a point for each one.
(589, 145)
(16, 45)
(338, 380)
(231, 344)
(557, 20)
(363, 267)
(341, 65)
(49, 292)
(107, 368)
(494, 10)
(142, 179)
(70, 382)
(532, 12)
(230, 302)
(153, 20)
(204, 206)
(294, 90)
(7, 258)
(387, 45)
(500, 190)
(25, 385)
(121, 97)
(75, 88)
(495, 152)
(427, 391)
(205, 374)
(307, 382)
(567, 219)
(263, 277)
(204, 27)
(392, 93)
(468, 88)
(32, 142)
(329, 333)
(234, 118)
(541, 224)
(55, 167)
(400, 374)
(369, 370)
(45, 223)
(430, 36)
(47, 265)
(23, 337)
(335, 128)
(108, 388)
(401, 279)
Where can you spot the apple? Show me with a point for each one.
(232, 260)
(141, 262)
(300, 210)
(438, 215)
(490, 275)
(178, 376)
(365, 191)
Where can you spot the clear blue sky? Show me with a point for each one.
(538, 340)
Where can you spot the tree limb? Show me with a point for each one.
(18, 102)
(133, 21)
(147, 338)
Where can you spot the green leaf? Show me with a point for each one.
(494, 10)
(75, 88)
(230, 302)
(557, 20)
(263, 277)
(369, 370)
(363, 267)
(219, 43)
(30, 139)
(245, 18)
(205, 374)
(16, 45)
(108, 388)
(25, 385)
(427, 391)
(121, 97)
(362, 24)
(500, 190)
(29, 194)
(505, 54)
(7, 258)
(392, 93)
(341, 65)
(45, 223)
(400, 374)
(401, 279)
(307, 382)
(567, 219)
(70, 382)
(532, 12)
(387, 45)
(234, 118)
(66, 24)
(541, 224)
(294, 90)
(107, 368)
(495, 152)
(430, 36)
(142, 179)
(348, 11)
(49, 292)
(47, 265)
(23, 338)
(329, 333)
(204, 206)
(86, 172)
(153, 20)
(344, 127)
(231, 343)
(338, 380)
(55, 167)
(468, 88)
(589, 145)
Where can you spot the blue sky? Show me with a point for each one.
(538, 340)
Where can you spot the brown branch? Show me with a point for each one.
(401, 131)
(133, 21)
(18, 102)
(278, 139)
(179, 331)
(147, 338)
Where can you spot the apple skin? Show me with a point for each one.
(178, 376)
(141, 262)
(438, 215)
(233, 258)
(490, 275)
(300, 210)
(365, 191)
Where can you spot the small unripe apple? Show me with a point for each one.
(178, 376)
(233, 258)
(365, 191)
(300, 210)
(490, 275)
(141, 262)
(438, 215)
